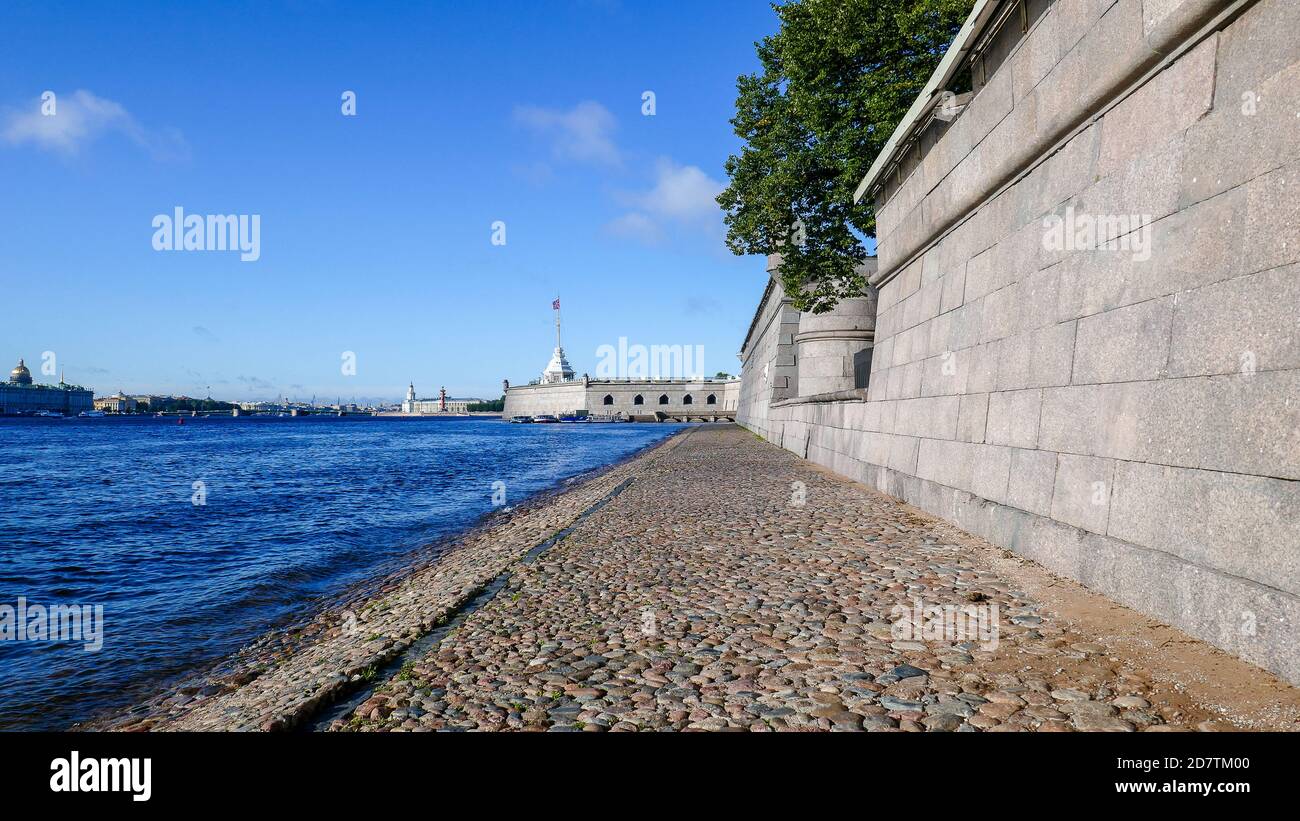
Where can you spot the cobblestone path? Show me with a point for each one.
(715, 593)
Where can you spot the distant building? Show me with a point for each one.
(438, 405)
(560, 393)
(119, 403)
(648, 400)
(20, 396)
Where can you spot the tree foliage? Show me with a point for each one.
(835, 81)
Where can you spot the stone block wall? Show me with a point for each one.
(567, 397)
(1124, 407)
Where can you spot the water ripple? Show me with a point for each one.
(100, 512)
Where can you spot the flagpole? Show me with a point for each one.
(557, 321)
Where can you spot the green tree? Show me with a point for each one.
(835, 81)
(494, 405)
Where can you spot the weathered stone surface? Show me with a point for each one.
(1081, 493)
(1032, 480)
(991, 469)
(1013, 418)
(1125, 344)
(1242, 325)
(1037, 359)
(1199, 516)
(1171, 102)
(972, 416)
(1272, 214)
(1172, 361)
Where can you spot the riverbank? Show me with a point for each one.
(717, 582)
(285, 677)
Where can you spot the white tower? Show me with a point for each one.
(558, 369)
(409, 405)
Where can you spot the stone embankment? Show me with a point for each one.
(733, 586)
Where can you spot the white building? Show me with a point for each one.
(437, 405)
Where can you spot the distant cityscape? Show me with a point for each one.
(23, 396)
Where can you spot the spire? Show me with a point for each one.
(558, 370)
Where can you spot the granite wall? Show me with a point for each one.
(1087, 346)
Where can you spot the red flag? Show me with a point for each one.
(556, 304)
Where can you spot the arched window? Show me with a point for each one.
(608, 400)
(712, 400)
(639, 400)
(663, 399)
(687, 400)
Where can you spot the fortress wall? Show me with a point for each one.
(566, 397)
(768, 367)
(532, 400)
(1128, 419)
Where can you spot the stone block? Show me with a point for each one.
(902, 454)
(1237, 326)
(1107, 54)
(912, 374)
(1037, 359)
(1037, 298)
(1273, 217)
(1239, 423)
(990, 105)
(980, 277)
(998, 316)
(946, 462)
(989, 474)
(953, 289)
(972, 413)
(940, 333)
(944, 375)
(1248, 526)
(1076, 18)
(1244, 138)
(1146, 188)
(966, 325)
(1195, 246)
(934, 417)
(1013, 418)
(1166, 23)
(1035, 55)
(1091, 419)
(1123, 345)
(1081, 492)
(1257, 46)
(1170, 102)
(980, 366)
(1032, 480)
(1013, 143)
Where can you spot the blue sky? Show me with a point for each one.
(375, 229)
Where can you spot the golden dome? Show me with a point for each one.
(20, 375)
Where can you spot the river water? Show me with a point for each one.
(197, 538)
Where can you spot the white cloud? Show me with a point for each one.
(681, 192)
(80, 118)
(580, 134)
(637, 226)
(682, 195)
